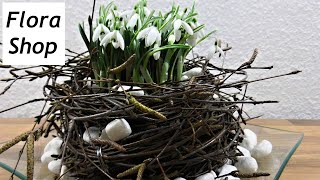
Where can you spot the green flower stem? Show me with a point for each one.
(165, 65)
(179, 68)
(146, 75)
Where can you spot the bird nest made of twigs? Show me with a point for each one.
(179, 129)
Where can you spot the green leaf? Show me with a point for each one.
(84, 36)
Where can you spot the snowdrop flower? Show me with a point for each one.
(156, 55)
(177, 25)
(99, 33)
(214, 49)
(127, 14)
(151, 36)
(192, 40)
(147, 12)
(115, 37)
(171, 39)
(112, 16)
(133, 21)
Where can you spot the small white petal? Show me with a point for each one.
(187, 28)
(96, 33)
(156, 55)
(143, 33)
(221, 52)
(171, 39)
(127, 13)
(158, 40)
(105, 29)
(177, 24)
(133, 21)
(116, 45)
(177, 35)
(197, 71)
(107, 39)
(152, 36)
(53, 145)
(147, 12)
(120, 40)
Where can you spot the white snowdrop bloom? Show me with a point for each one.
(246, 164)
(133, 21)
(197, 71)
(171, 39)
(249, 139)
(150, 35)
(91, 133)
(263, 149)
(126, 15)
(214, 49)
(226, 169)
(116, 130)
(133, 90)
(54, 166)
(156, 55)
(244, 151)
(112, 16)
(115, 37)
(208, 176)
(54, 145)
(147, 12)
(99, 33)
(177, 25)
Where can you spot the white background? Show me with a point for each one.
(287, 32)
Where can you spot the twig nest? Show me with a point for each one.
(133, 90)
(226, 169)
(208, 176)
(246, 164)
(54, 166)
(54, 145)
(197, 71)
(263, 149)
(91, 133)
(249, 139)
(244, 151)
(116, 130)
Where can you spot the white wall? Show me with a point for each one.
(286, 32)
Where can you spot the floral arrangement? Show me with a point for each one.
(133, 106)
(158, 41)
